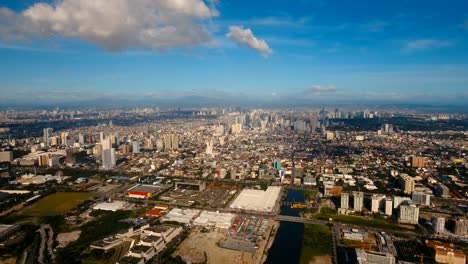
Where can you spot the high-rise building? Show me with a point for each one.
(159, 144)
(358, 201)
(376, 200)
(421, 198)
(108, 158)
(6, 156)
(388, 206)
(344, 200)
(106, 144)
(398, 200)
(171, 142)
(409, 214)
(47, 132)
(330, 135)
(125, 149)
(70, 158)
(460, 226)
(81, 139)
(43, 160)
(136, 147)
(407, 183)
(438, 223)
(209, 148)
(418, 162)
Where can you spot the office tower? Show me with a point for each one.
(47, 134)
(54, 141)
(375, 202)
(418, 162)
(344, 200)
(171, 142)
(136, 147)
(387, 128)
(407, 183)
(330, 135)
(409, 214)
(108, 158)
(388, 206)
(358, 201)
(438, 223)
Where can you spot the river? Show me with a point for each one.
(288, 241)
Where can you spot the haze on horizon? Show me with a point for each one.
(249, 52)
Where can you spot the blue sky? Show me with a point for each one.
(313, 50)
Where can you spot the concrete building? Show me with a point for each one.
(111, 206)
(376, 201)
(373, 257)
(136, 147)
(460, 226)
(192, 185)
(214, 219)
(6, 156)
(47, 132)
(407, 183)
(409, 214)
(397, 200)
(257, 200)
(108, 159)
(388, 206)
(358, 201)
(421, 198)
(446, 253)
(418, 162)
(344, 201)
(438, 223)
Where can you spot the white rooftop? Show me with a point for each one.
(257, 200)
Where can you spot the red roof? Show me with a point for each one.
(153, 213)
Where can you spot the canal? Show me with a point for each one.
(288, 241)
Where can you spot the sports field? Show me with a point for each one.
(56, 204)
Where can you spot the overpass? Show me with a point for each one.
(298, 219)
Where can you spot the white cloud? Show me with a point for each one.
(246, 38)
(114, 25)
(320, 89)
(425, 44)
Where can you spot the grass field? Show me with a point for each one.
(56, 204)
(317, 241)
(357, 220)
(310, 193)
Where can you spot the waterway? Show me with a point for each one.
(288, 241)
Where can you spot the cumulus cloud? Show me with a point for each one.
(425, 44)
(113, 25)
(321, 89)
(246, 38)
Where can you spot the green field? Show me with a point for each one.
(310, 193)
(56, 204)
(317, 241)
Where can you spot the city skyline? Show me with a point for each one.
(309, 52)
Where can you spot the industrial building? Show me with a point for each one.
(257, 200)
(214, 219)
(111, 206)
(143, 191)
(373, 257)
(192, 185)
(184, 216)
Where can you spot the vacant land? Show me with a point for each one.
(316, 244)
(56, 204)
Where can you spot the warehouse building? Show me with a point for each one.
(257, 200)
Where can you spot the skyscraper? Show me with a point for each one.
(108, 158)
(47, 134)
